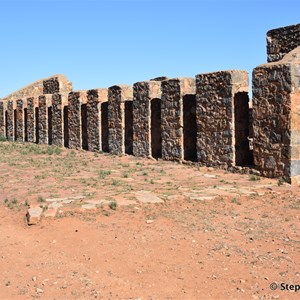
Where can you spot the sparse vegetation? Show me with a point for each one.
(253, 177)
(113, 205)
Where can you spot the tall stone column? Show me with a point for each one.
(143, 93)
(32, 107)
(117, 95)
(20, 130)
(10, 122)
(59, 101)
(2, 119)
(75, 101)
(94, 131)
(217, 94)
(43, 121)
(45, 127)
(276, 118)
(173, 91)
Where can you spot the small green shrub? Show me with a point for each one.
(2, 138)
(113, 205)
(254, 177)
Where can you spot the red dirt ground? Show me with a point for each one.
(214, 236)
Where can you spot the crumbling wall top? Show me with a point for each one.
(281, 41)
(54, 84)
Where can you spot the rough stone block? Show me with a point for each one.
(94, 99)
(220, 96)
(119, 129)
(281, 41)
(33, 215)
(173, 91)
(143, 93)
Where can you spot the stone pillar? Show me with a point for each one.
(143, 92)
(10, 122)
(216, 94)
(20, 133)
(94, 100)
(45, 129)
(276, 120)
(2, 119)
(117, 95)
(173, 91)
(74, 119)
(32, 106)
(58, 103)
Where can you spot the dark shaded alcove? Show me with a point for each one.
(66, 127)
(50, 118)
(37, 121)
(128, 127)
(15, 124)
(25, 125)
(104, 126)
(189, 128)
(243, 154)
(6, 118)
(156, 128)
(84, 133)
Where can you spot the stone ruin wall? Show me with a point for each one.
(207, 119)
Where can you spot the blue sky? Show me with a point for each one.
(102, 43)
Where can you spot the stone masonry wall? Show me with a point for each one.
(43, 120)
(276, 103)
(206, 119)
(215, 94)
(94, 100)
(10, 120)
(51, 85)
(143, 93)
(117, 95)
(74, 120)
(2, 118)
(20, 132)
(173, 91)
(281, 41)
(58, 104)
(32, 103)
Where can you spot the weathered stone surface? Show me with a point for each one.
(20, 132)
(118, 95)
(2, 118)
(58, 103)
(143, 93)
(276, 119)
(45, 131)
(281, 41)
(50, 85)
(147, 197)
(173, 91)
(74, 119)
(216, 94)
(10, 120)
(33, 215)
(94, 100)
(32, 119)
